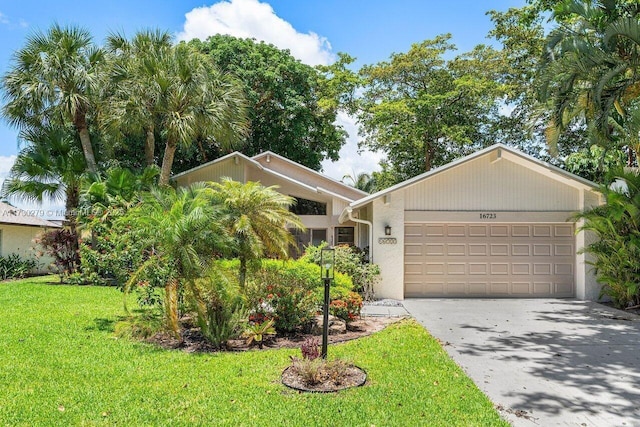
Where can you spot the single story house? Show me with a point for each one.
(496, 223)
(18, 230)
(320, 199)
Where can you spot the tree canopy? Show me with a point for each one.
(288, 109)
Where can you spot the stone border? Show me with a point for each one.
(310, 390)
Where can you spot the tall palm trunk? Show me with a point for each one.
(149, 147)
(167, 162)
(80, 123)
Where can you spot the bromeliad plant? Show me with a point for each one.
(258, 332)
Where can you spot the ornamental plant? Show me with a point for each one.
(347, 308)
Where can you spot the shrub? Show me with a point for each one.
(12, 266)
(290, 292)
(349, 261)
(144, 325)
(62, 245)
(347, 308)
(219, 308)
(310, 348)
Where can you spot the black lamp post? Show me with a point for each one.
(327, 263)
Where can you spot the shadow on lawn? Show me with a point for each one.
(102, 324)
(574, 344)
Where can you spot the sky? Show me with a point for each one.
(313, 30)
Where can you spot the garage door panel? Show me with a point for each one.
(489, 260)
(499, 249)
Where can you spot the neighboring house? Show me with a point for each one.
(319, 199)
(18, 229)
(492, 224)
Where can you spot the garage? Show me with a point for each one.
(533, 260)
(497, 223)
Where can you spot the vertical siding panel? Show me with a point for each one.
(481, 185)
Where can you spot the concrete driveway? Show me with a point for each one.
(543, 362)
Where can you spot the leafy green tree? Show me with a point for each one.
(138, 83)
(292, 109)
(594, 163)
(257, 218)
(174, 94)
(422, 110)
(54, 79)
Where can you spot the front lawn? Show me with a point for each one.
(61, 365)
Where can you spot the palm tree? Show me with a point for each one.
(49, 167)
(616, 250)
(139, 80)
(53, 80)
(257, 218)
(591, 70)
(175, 93)
(181, 233)
(362, 181)
(200, 101)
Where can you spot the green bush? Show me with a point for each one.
(350, 261)
(13, 266)
(347, 308)
(219, 307)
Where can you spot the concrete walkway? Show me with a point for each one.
(543, 362)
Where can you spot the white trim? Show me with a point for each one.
(557, 173)
(306, 169)
(218, 160)
(486, 217)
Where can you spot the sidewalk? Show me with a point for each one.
(386, 308)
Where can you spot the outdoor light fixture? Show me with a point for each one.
(387, 230)
(327, 264)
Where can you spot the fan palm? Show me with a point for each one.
(49, 167)
(257, 218)
(591, 66)
(362, 181)
(53, 80)
(175, 93)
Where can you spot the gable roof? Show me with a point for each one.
(253, 162)
(330, 181)
(502, 151)
(15, 216)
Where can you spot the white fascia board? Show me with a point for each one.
(218, 160)
(305, 168)
(558, 174)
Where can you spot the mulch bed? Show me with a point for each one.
(352, 377)
(194, 342)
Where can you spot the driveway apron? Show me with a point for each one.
(543, 362)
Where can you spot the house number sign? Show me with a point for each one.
(488, 215)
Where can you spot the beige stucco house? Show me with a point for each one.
(320, 199)
(18, 229)
(496, 223)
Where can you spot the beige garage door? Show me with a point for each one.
(496, 260)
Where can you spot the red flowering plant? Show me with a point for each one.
(347, 307)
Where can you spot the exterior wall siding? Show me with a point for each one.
(389, 255)
(17, 239)
(214, 173)
(482, 185)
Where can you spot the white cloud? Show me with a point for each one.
(4, 19)
(351, 161)
(253, 19)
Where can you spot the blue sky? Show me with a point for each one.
(314, 30)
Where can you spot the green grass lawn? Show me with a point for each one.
(60, 364)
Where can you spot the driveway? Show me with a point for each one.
(564, 362)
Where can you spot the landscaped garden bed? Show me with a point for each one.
(63, 365)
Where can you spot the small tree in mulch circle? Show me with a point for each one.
(312, 373)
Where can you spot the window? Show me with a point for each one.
(308, 207)
(305, 238)
(344, 236)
